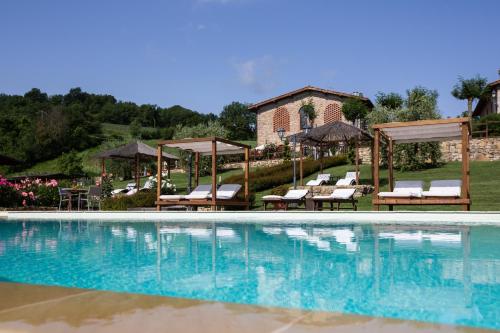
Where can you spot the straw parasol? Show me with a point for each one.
(136, 151)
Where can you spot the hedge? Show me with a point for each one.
(123, 202)
(269, 177)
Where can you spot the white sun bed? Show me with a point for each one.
(320, 179)
(338, 196)
(405, 189)
(200, 192)
(227, 191)
(292, 196)
(349, 179)
(444, 188)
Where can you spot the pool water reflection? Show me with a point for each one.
(437, 274)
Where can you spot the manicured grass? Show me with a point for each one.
(485, 184)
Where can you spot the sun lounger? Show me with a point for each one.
(128, 188)
(349, 179)
(405, 189)
(338, 196)
(200, 192)
(292, 196)
(320, 180)
(444, 188)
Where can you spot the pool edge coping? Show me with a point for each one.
(406, 217)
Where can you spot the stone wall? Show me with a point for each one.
(480, 150)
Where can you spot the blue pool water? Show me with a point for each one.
(437, 274)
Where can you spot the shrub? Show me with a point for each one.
(123, 202)
(280, 190)
(493, 128)
(71, 164)
(9, 197)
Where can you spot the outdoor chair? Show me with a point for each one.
(338, 196)
(405, 189)
(65, 196)
(444, 188)
(321, 179)
(91, 197)
(292, 196)
(349, 179)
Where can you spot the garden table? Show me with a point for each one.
(72, 192)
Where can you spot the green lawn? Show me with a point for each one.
(485, 184)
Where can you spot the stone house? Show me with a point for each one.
(490, 104)
(285, 111)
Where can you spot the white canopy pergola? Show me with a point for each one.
(421, 131)
(203, 146)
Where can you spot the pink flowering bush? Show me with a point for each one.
(29, 193)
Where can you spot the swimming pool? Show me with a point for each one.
(437, 273)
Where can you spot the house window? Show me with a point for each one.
(281, 119)
(333, 113)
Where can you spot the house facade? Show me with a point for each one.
(287, 112)
(490, 104)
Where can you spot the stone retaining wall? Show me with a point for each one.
(480, 150)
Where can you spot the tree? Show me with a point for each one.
(71, 164)
(419, 104)
(391, 100)
(354, 109)
(470, 89)
(135, 129)
(239, 122)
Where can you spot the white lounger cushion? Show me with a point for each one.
(345, 182)
(320, 179)
(349, 179)
(290, 195)
(200, 192)
(227, 191)
(172, 197)
(444, 188)
(314, 182)
(405, 189)
(339, 193)
(295, 194)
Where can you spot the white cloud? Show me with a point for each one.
(258, 74)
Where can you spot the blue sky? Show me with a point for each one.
(203, 54)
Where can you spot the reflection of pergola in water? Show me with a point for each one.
(328, 136)
(421, 131)
(137, 152)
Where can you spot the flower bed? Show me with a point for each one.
(28, 193)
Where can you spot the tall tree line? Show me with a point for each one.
(36, 127)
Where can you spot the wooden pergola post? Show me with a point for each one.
(214, 175)
(137, 179)
(247, 174)
(465, 165)
(158, 175)
(168, 167)
(103, 166)
(301, 165)
(357, 160)
(196, 169)
(375, 166)
(390, 167)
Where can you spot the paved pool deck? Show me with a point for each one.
(31, 308)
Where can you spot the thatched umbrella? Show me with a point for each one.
(330, 134)
(135, 151)
(6, 160)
